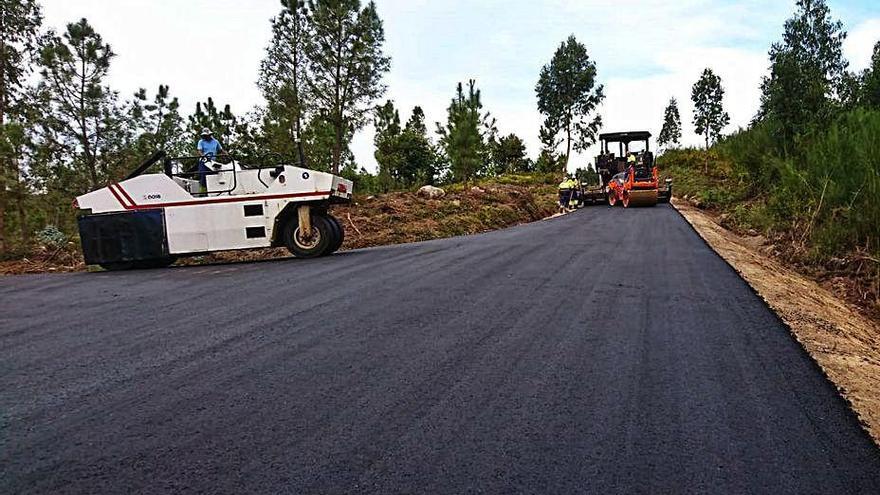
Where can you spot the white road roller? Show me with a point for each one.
(149, 220)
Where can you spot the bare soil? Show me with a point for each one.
(843, 341)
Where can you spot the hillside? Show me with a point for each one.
(804, 216)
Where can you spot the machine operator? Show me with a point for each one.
(209, 148)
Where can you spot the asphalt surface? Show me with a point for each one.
(606, 351)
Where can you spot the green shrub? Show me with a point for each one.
(826, 193)
(753, 151)
(834, 189)
(51, 236)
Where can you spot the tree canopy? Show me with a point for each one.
(709, 115)
(807, 73)
(466, 133)
(670, 134)
(870, 93)
(283, 79)
(347, 64)
(568, 95)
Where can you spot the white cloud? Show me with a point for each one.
(199, 48)
(646, 51)
(859, 44)
(639, 103)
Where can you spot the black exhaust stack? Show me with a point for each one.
(155, 157)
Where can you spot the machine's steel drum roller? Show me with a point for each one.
(645, 197)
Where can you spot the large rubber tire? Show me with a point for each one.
(339, 234)
(323, 236)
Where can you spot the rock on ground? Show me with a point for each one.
(431, 192)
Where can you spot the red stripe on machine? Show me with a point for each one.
(125, 194)
(228, 199)
(118, 198)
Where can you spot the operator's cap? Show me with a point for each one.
(206, 131)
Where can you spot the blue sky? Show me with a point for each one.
(646, 51)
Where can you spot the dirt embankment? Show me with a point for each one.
(844, 342)
(407, 217)
(391, 218)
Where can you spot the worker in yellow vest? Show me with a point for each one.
(567, 194)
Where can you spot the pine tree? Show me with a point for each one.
(509, 155)
(240, 135)
(386, 140)
(416, 122)
(670, 134)
(419, 155)
(463, 139)
(405, 155)
(347, 65)
(851, 89)
(222, 122)
(284, 80)
(81, 110)
(319, 143)
(548, 161)
(159, 123)
(709, 115)
(568, 95)
(20, 21)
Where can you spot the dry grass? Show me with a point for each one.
(406, 217)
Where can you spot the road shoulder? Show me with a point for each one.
(845, 343)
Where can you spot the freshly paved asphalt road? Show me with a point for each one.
(606, 351)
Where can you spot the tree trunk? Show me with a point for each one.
(337, 148)
(3, 196)
(4, 166)
(567, 149)
(22, 217)
(83, 125)
(4, 98)
(706, 164)
(296, 101)
(301, 156)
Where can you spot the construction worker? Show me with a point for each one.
(575, 192)
(566, 192)
(631, 161)
(208, 149)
